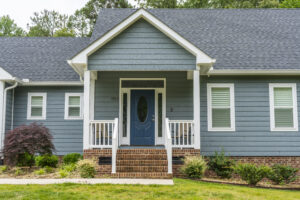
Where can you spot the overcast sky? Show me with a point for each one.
(22, 10)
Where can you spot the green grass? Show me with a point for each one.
(183, 189)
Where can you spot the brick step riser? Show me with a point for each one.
(141, 157)
(141, 169)
(142, 163)
(143, 153)
(157, 175)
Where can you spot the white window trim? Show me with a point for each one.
(44, 108)
(232, 106)
(272, 107)
(67, 95)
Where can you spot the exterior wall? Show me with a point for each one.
(141, 47)
(252, 117)
(8, 115)
(67, 134)
(179, 94)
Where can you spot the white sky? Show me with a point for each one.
(22, 10)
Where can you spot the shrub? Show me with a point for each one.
(3, 169)
(25, 159)
(281, 174)
(221, 165)
(72, 158)
(251, 173)
(49, 169)
(63, 173)
(194, 166)
(46, 160)
(40, 172)
(86, 168)
(27, 139)
(70, 167)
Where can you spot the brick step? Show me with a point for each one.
(141, 151)
(142, 169)
(142, 163)
(154, 175)
(141, 157)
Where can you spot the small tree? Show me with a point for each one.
(27, 140)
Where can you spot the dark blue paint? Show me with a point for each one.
(142, 133)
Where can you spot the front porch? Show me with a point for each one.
(151, 111)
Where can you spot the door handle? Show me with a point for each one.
(153, 118)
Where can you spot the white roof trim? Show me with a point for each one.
(4, 75)
(253, 72)
(52, 83)
(81, 58)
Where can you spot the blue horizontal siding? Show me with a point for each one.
(252, 115)
(67, 134)
(141, 47)
(179, 93)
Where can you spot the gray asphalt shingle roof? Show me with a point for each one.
(40, 59)
(237, 39)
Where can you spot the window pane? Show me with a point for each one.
(221, 118)
(283, 97)
(159, 115)
(36, 111)
(74, 101)
(37, 100)
(284, 118)
(220, 97)
(125, 115)
(74, 111)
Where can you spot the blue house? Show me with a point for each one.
(152, 86)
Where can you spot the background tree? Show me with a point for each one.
(64, 32)
(290, 4)
(9, 28)
(46, 23)
(158, 3)
(195, 4)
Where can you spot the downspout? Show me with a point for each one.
(4, 114)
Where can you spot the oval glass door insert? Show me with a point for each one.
(142, 109)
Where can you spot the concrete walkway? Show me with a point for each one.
(87, 181)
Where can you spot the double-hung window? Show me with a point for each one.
(221, 112)
(36, 107)
(283, 107)
(73, 106)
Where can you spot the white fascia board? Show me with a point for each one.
(53, 83)
(4, 75)
(253, 72)
(81, 58)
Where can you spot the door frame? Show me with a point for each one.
(126, 140)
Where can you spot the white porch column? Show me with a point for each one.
(86, 109)
(196, 101)
(2, 87)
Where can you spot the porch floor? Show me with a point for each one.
(142, 147)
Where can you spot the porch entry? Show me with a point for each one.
(142, 118)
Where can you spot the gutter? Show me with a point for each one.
(4, 114)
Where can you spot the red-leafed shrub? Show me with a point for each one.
(22, 143)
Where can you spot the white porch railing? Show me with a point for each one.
(101, 132)
(168, 145)
(182, 133)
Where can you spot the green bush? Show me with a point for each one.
(3, 169)
(251, 173)
(25, 159)
(46, 160)
(70, 167)
(281, 174)
(48, 169)
(221, 165)
(63, 173)
(18, 171)
(86, 168)
(194, 166)
(40, 172)
(72, 158)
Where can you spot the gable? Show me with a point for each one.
(141, 47)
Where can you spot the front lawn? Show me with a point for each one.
(183, 189)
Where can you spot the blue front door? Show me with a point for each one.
(142, 118)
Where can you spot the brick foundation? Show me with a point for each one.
(182, 153)
(94, 154)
